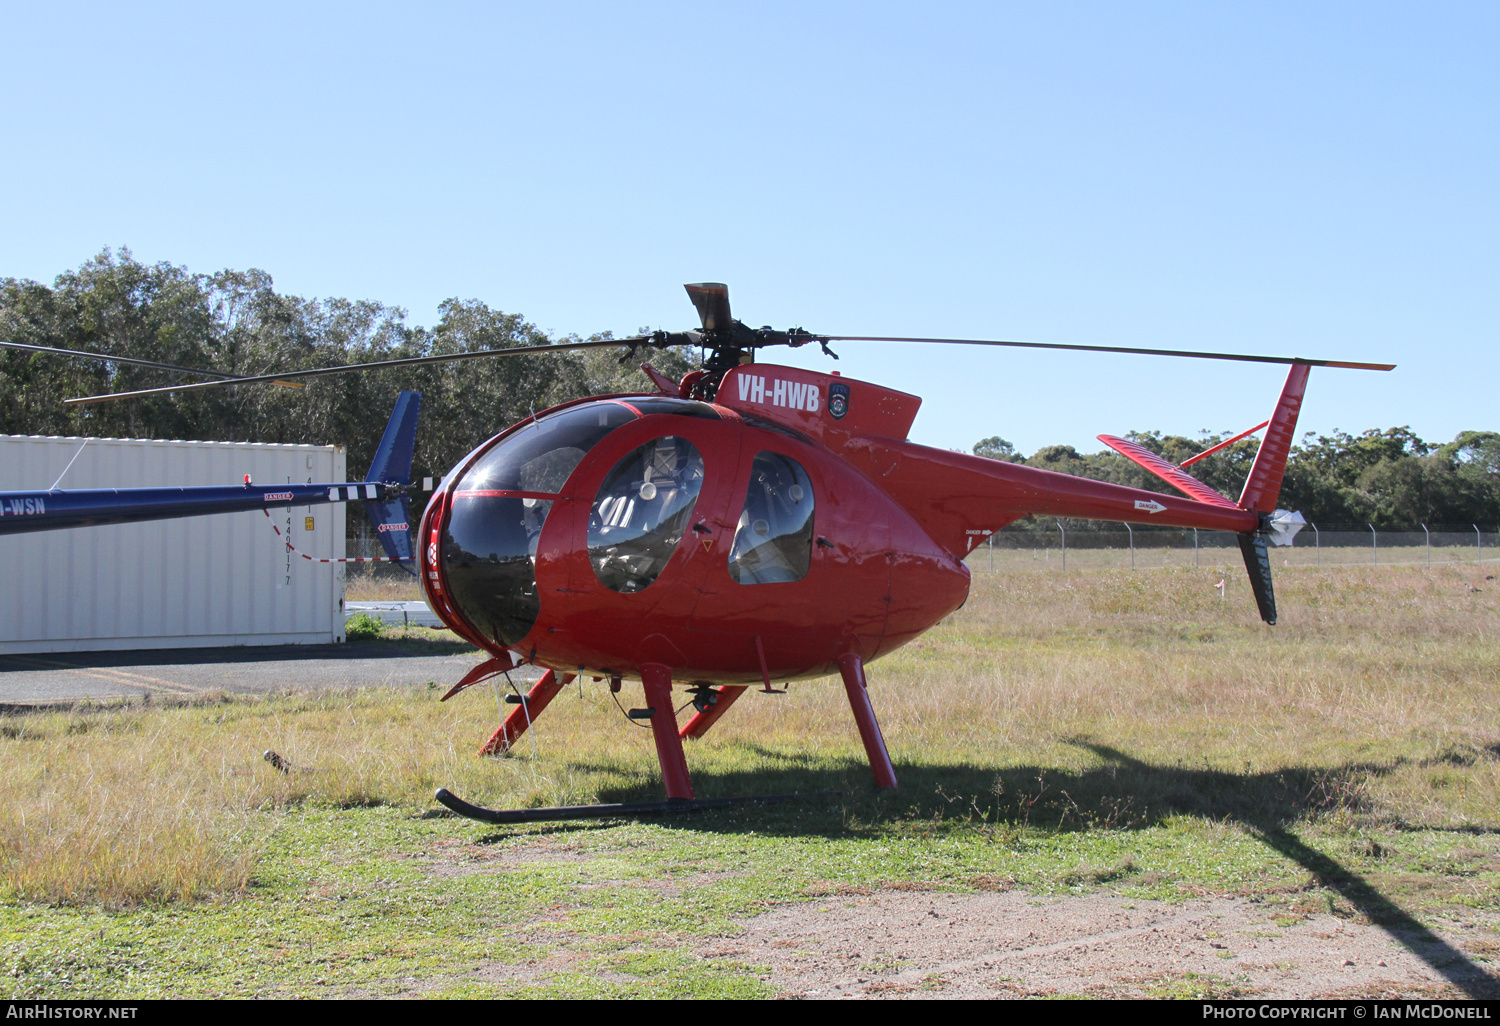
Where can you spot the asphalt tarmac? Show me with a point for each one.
(69, 677)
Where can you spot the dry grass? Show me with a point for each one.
(128, 803)
(1389, 674)
(1150, 554)
(108, 807)
(378, 582)
(1103, 699)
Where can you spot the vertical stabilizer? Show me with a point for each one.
(392, 466)
(1263, 486)
(392, 463)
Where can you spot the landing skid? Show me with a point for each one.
(559, 812)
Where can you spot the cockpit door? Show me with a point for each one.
(647, 512)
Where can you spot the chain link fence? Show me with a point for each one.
(1082, 546)
(1048, 545)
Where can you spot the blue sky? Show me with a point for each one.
(1308, 179)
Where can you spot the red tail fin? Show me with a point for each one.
(1263, 486)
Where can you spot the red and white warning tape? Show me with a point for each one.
(315, 559)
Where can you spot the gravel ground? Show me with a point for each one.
(78, 676)
(923, 944)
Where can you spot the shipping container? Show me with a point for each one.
(225, 579)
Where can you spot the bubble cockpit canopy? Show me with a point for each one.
(501, 503)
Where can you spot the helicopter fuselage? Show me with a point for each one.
(688, 535)
(766, 535)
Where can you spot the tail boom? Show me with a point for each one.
(21, 512)
(383, 492)
(958, 498)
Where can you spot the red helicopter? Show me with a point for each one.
(755, 523)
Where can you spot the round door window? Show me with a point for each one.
(642, 511)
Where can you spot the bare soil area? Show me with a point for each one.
(925, 944)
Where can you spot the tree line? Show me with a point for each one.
(236, 322)
(1392, 478)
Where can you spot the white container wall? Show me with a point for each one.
(225, 579)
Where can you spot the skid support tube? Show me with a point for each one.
(657, 680)
(853, 670)
(699, 724)
(521, 718)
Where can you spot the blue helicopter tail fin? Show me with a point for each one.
(393, 459)
(392, 466)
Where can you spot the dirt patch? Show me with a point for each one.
(465, 859)
(677, 886)
(923, 944)
(561, 961)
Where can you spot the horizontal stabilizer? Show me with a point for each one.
(1184, 482)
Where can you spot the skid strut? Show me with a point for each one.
(853, 670)
(535, 700)
(723, 698)
(657, 679)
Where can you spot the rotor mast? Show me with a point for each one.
(729, 342)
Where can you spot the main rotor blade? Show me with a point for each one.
(114, 359)
(411, 361)
(1114, 349)
(712, 300)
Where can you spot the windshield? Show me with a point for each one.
(499, 508)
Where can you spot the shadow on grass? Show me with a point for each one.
(1270, 822)
(1123, 794)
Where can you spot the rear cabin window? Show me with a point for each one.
(773, 540)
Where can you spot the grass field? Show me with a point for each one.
(1119, 556)
(1100, 731)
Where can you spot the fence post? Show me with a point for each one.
(1478, 542)
(1064, 544)
(1195, 546)
(1317, 543)
(1374, 545)
(1132, 545)
(992, 552)
(1429, 544)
